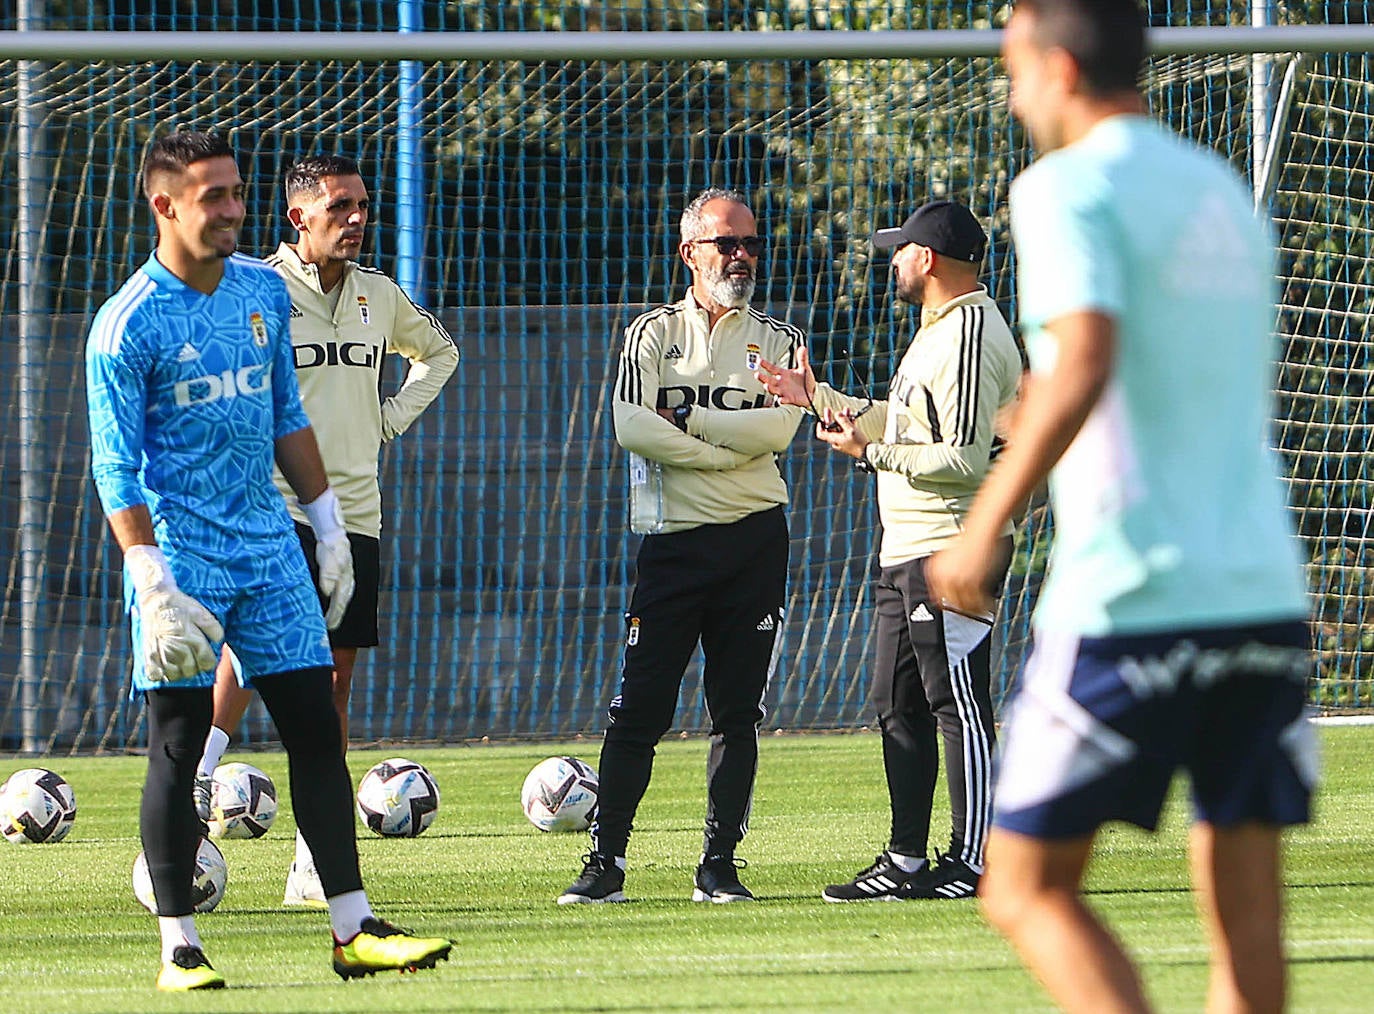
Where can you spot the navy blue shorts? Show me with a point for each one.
(1102, 725)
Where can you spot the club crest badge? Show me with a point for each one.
(752, 355)
(633, 637)
(363, 314)
(259, 328)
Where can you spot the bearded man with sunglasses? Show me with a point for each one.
(930, 444)
(705, 490)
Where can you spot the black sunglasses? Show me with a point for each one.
(727, 245)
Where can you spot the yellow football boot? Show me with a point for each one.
(380, 946)
(188, 969)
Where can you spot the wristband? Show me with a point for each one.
(325, 514)
(148, 567)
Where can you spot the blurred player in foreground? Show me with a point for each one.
(192, 395)
(345, 318)
(1171, 629)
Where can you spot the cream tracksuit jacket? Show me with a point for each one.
(339, 355)
(724, 467)
(932, 438)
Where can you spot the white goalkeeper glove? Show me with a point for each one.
(177, 630)
(332, 553)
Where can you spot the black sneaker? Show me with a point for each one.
(883, 881)
(950, 877)
(717, 880)
(601, 880)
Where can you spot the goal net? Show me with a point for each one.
(548, 198)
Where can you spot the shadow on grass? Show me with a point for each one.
(1187, 889)
(1334, 959)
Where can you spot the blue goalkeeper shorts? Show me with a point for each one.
(1103, 724)
(266, 602)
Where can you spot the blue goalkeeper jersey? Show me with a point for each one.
(187, 393)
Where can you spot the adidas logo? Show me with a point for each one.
(921, 614)
(676, 353)
(766, 623)
(296, 311)
(877, 885)
(187, 353)
(957, 889)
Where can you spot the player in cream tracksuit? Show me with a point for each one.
(345, 320)
(706, 492)
(930, 444)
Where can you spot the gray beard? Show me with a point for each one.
(731, 290)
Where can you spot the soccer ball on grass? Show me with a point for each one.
(36, 806)
(559, 794)
(207, 886)
(398, 798)
(243, 802)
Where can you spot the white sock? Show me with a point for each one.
(215, 745)
(975, 867)
(907, 864)
(619, 860)
(303, 856)
(177, 931)
(346, 914)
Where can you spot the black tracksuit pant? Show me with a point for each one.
(933, 674)
(722, 585)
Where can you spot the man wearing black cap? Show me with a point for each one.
(930, 444)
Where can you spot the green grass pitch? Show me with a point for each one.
(74, 938)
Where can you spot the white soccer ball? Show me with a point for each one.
(398, 798)
(207, 887)
(243, 802)
(559, 794)
(36, 805)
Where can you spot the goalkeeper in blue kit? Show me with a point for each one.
(192, 396)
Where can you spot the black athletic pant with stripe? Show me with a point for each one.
(301, 703)
(722, 585)
(932, 674)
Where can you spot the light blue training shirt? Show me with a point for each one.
(1169, 507)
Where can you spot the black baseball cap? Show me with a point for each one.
(947, 227)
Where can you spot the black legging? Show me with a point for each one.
(177, 723)
(302, 706)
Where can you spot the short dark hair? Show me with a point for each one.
(172, 153)
(305, 175)
(1106, 38)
